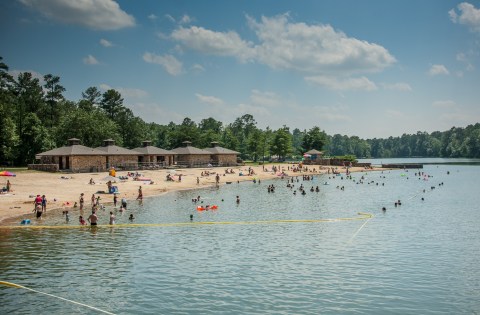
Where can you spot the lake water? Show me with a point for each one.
(417, 258)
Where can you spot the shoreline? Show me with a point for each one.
(18, 204)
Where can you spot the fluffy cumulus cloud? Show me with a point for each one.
(210, 100)
(467, 15)
(106, 43)
(333, 83)
(438, 70)
(90, 60)
(268, 99)
(399, 86)
(94, 14)
(310, 49)
(215, 43)
(171, 64)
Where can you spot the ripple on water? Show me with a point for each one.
(420, 258)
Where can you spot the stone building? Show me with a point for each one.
(315, 157)
(73, 157)
(189, 156)
(118, 157)
(222, 156)
(148, 154)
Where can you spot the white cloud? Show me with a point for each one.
(35, 75)
(94, 14)
(198, 68)
(152, 17)
(438, 70)
(171, 64)
(467, 15)
(126, 92)
(333, 83)
(313, 49)
(155, 112)
(170, 18)
(185, 19)
(210, 100)
(90, 60)
(215, 43)
(444, 104)
(268, 99)
(465, 59)
(105, 43)
(399, 86)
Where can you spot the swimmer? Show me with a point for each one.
(191, 217)
(238, 199)
(81, 220)
(93, 219)
(131, 218)
(112, 218)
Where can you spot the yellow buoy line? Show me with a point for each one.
(14, 285)
(361, 216)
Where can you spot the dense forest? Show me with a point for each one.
(36, 117)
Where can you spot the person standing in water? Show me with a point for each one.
(140, 194)
(81, 202)
(112, 218)
(44, 203)
(93, 219)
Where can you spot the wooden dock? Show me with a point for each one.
(402, 165)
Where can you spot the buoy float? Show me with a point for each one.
(213, 207)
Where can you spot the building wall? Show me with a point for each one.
(225, 159)
(117, 160)
(87, 163)
(193, 160)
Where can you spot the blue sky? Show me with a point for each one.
(367, 68)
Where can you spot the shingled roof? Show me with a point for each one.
(75, 149)
(313, 151)
(151, 150)
(220, 150)
(189, 150)
(110, 148)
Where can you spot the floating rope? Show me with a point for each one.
(14, 285)
(362, 216)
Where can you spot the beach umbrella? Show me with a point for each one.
(6, 173)
(109, 178)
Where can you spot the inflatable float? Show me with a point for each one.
(206, 208)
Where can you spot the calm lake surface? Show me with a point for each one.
(418, 258)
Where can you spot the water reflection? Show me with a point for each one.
(420, 257)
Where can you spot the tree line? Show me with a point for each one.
(36, 117)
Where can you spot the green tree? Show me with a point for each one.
(53, 96)
(92, 127)
(8, 137)
(314, 139)
(112, 103)
(282, 143)
(91, 98)
(35, 138)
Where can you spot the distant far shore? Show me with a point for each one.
(63, 190)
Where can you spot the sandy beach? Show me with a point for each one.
(62, 190)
